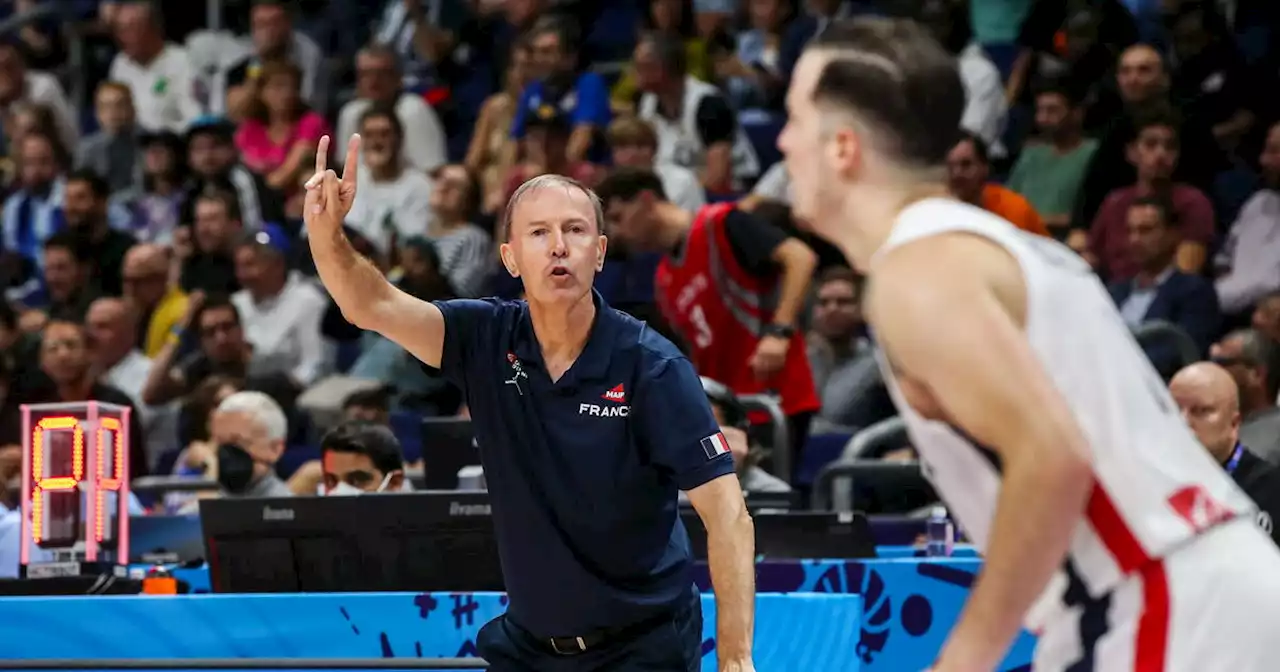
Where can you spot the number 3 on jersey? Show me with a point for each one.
(702, 336)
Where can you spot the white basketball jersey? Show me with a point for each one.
(1155, 486)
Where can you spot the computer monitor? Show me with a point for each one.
(890, 487)
(448, 444)
(418, 541)
(165, 539)
(798, 535)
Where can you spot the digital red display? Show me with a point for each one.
(49, 464)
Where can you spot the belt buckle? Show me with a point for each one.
(555, 646)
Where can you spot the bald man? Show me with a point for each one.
(1209, 399)
(159, 302)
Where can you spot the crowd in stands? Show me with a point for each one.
(152, 253)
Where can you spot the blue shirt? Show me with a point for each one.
(583, 473)
(587, 102)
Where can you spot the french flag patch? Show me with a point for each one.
(715, 446)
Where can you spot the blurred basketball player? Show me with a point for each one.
(1106, 528)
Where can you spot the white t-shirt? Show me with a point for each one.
(402, 205)
(164, 91)
(425, 145)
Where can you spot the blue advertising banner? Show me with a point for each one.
(793, 632)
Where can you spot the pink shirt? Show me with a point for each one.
(262, 155)
(1109, 235)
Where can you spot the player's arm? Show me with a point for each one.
(365, 296)
(679, 431)
(946, 324)
(764, 249)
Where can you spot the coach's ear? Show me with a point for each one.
(509, 259)
(602, 249)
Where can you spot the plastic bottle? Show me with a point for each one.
(939, 533)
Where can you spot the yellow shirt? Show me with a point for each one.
(166, 316)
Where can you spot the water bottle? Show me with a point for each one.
(939, 534)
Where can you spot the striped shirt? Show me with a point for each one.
(466, 256)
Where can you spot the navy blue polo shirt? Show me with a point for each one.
(583, 473)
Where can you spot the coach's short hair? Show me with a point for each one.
(547, 181)
(895, 77)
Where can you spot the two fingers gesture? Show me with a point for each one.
(328, 198)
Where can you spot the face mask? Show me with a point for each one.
(345, 489)
(235, 468)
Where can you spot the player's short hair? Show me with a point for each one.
(547, 181)
(370, 439)
(895, 78)
(1163, 204)
(262, 408)
(980, 148)
(626, 184)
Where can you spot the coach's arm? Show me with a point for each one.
(949, 312)
(731, 544)
(367, 299)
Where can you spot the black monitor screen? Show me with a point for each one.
(422, 541)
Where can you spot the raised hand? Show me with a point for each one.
(329, 199)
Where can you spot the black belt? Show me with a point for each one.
(572, 646)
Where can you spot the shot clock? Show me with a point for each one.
(75, 488)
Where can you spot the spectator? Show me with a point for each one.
(393, 201)
(69, 285)
(1212, 83)
(1266, 317)
(249, 429)
(464, 251)
(1248, 264)
(280, 310)
(986, 110)
(196, 459)
(211, 266)
(1154, 152)
(1049, 173)
(1159, 291)
(368, 406)
(731, 337)
(223, 351)
(968, 170)
(361, 458)
(1079, 41)
(634, 144)
(674, 17)
(159, 76)
(156, 302)
(1210, 402)
(64, 358)
(732, 418)
(1253, 360)
(112, 152)
(696, 128)
(19, 87)
(278, 135)
(492, 151)
(158, 198)
(753, 73)
(423, 34)
(378, 83)
(545, 146)
(273, 38)
(33, 212)
(845, 371)
(559, 85)
(113, 345)
(213, 159)
(86, 208)
(1143, 93)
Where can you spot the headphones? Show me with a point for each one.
(719, 394)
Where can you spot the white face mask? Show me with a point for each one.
(345, 489)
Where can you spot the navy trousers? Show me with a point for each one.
(672, 644)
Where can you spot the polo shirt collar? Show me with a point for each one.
(593, 362)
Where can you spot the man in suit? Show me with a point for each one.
(1207, 395)
(1160, 291)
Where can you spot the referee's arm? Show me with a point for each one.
(680, 431)
(367, 299)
